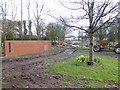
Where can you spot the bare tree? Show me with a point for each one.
(8, 24)
(25, 29)
(38, 19)
(13, 10)
(21, 18)
(4, 11)
(29, 21)
(92, 12)
(13, 14)
(28, 8)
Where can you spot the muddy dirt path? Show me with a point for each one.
(24, 72)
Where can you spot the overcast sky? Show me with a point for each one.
(50, 5)
(53, 6)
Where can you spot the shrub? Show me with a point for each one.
(81, 58)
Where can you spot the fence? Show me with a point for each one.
(20, 47)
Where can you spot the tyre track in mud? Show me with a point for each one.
(25, 72)
(22, 61)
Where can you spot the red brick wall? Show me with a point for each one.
(20, 47)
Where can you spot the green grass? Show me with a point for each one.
(106, 71)
(1, 50)
(83, 47)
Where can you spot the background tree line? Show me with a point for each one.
(52, 31)
(29, 29)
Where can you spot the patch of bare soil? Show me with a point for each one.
(24, 71)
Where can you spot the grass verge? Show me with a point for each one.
(89, 76)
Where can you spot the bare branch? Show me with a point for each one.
(68, 7)
(14, 10)
(65, 23)
(72, 26)
(42, 7)
(100, 14)
(92, 12)
(106, 24)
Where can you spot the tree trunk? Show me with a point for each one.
(29, 27)
(90, 61)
